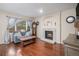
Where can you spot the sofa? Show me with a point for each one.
(17, 35)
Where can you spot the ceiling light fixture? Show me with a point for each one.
(41, 11)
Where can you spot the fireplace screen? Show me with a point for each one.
(49, 35)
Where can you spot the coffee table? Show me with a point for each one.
(27, 40)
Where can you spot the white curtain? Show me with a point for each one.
(6, 34)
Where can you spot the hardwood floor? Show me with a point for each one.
(39, 48)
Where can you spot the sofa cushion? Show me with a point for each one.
(28, 33)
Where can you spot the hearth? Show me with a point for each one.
(49, 35)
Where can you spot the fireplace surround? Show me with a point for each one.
(52, 32)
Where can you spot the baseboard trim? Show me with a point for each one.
(50, 42)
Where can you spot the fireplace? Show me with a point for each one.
(49, 35)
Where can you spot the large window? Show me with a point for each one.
(25, 25)
(21, 25)
(17, 25)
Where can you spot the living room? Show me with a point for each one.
(29, 29)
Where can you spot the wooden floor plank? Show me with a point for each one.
(39, 48)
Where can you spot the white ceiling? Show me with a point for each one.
(32, 9)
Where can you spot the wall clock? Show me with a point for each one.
(70, 19)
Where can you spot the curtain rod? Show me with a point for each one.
(20, 17)
(13, 17)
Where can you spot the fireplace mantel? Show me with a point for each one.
(54, 35)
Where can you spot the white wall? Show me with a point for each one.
(3, 24)
(55, 19)
(66, 28)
